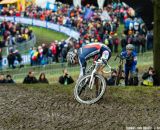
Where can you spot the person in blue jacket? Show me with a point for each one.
(131, 61)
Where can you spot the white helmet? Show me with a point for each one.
(129, 47)
(71, 57)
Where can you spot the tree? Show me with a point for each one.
(156, 50)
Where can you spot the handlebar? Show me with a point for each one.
(107, 65)
(120, 57)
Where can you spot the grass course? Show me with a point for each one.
(47, 36)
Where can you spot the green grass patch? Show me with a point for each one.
(47, 36)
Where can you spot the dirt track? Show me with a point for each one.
(40, 109)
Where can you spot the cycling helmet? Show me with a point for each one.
(129, 47)
(71, 57)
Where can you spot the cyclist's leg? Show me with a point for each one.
(126, 75)
(83, 64)
(132, 74)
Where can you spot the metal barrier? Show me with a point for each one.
(53, 71)
(22, 47)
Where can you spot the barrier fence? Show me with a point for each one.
(22, 47)
(53, 71)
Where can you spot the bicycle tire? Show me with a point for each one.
(94, 100)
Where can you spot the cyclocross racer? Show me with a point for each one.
(99, 51)
(131, 61)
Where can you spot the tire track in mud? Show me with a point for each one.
(23, 109)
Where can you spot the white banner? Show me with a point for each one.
(53, 26)
(1, 18)
(39, 23)
(9, 19)
(26, 60)
(24, 20)
(74, 34)
(65, 30)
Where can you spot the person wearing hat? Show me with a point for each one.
(131, 61)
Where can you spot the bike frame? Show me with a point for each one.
(97, 66)
(120, 68)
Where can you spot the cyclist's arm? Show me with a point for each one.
(123, 55)
(135, 59)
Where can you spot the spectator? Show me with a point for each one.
(11, 58)
(112, 80)
(43, 79)
(115, 43)
(19, 58)
(9, 79)
(123, 42)
(2, 79)
(65, 78)
(150, 78)
(30, 78)
(1, 59)
(122, 79)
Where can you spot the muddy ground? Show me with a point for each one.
(23, 108)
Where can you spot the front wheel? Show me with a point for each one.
(89, 92)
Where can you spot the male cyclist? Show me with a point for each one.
(131, 61)
(98, 51)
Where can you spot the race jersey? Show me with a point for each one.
(92, 49)
(131, 60)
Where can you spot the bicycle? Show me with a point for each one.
(91, 87)
(120, 69)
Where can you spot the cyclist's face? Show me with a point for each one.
(129, 52)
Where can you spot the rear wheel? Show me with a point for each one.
(89, 94)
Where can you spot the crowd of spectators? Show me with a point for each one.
(48, 53)
(65, 79)
(6, 79)
(13, 33)
(148, 78)
(31, 79)
(93, 24)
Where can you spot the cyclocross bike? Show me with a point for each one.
(120, 69)
(91, 87)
